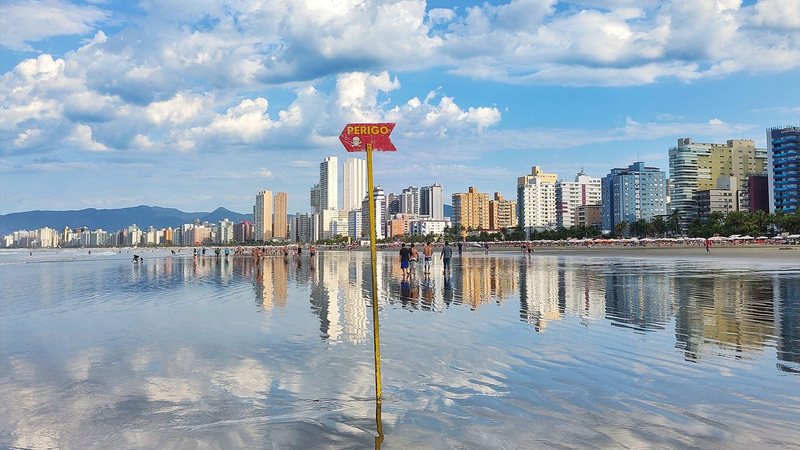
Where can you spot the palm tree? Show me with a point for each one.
(659, 226)
(674, 222)
(621, 228)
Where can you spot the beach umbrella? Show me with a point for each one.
(746, 237)
(762, 237)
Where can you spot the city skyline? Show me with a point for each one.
(141, 103)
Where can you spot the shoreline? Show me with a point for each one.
(788, 253)
(772, 252)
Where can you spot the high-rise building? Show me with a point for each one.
(329, 183)
(784, 168)
(380, 211)
(244, 231)
(391, 207)
(315, 199)
(224, 232)
(304, 227)
(695, 166)
(633, 193)
(536, 199)
(502, 213)
(758, 193)
(354, 223)
(325, 223)
(409, 200)
(354, 183)
(431, 201)
(279, 226)
(471, 210)
(585, 190)
(262, 216)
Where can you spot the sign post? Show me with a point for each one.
(369, 137)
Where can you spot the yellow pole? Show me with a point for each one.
(374, 257)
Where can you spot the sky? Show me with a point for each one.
(196, 104)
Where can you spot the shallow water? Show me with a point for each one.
(506, 352)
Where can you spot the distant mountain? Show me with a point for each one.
(112, 219)
(448, 211)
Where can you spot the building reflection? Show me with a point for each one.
(726, 314)
(337, 296)
(539, 292)
(637, 297)
(787, 320)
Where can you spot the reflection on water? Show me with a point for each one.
(233, 352)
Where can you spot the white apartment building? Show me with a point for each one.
(426, 226)
(536, 199)
(225, 232)
(354, 183)
(410, 200)
(380, 211)
(585, 190)
(328, 183)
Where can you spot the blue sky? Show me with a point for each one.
(196, 104)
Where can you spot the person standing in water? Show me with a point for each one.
(414, 257)
(405, 256)
(427, 251)
(447, 253)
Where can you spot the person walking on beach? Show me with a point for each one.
(414, 257)
(427, 251)
(447, 253)
(460, 248)
(405, 256)
(708, 245)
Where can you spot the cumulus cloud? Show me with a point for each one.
(24, 22)
(438, 119)
(622, 45)
(783, 14)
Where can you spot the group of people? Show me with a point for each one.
(409, 256)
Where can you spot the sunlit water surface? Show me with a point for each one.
(507, 352)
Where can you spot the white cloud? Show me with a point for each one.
(23, 22)
(357, 94)
(425, 119)
(182, 108)
(783, 14)
(620, 45)
(82, 138)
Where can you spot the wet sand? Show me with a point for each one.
(787, 253)
(774, 253)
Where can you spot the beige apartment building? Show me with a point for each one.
(471, 210)
(279, 224)
(262, 216)
(502, 213)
